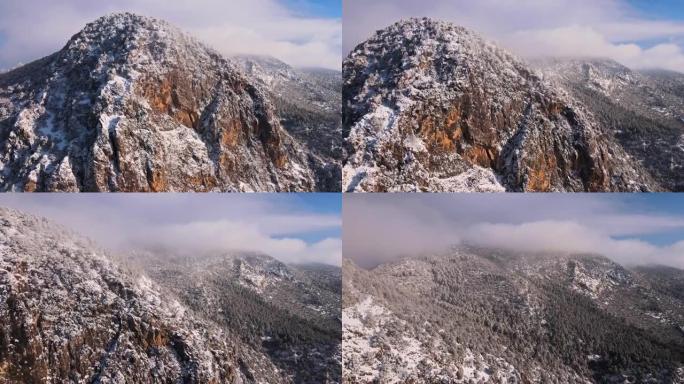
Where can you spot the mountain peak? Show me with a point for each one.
(450, 111)
(119, 19)
(126, 22)
(428, 24)
(115, 316)
(132, 103)
(130, 36)
(425, 31)
(119, 25)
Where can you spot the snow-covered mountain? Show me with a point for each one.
(643, 110)
(309, 103)
(485, 315)
(133, 104)
(430, 106)
(71, 312)
(291, 313)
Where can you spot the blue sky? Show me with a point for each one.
(318, 203)
(661, 204)
(659, 9)
(665, 204)
(317, 8)
(291, 227)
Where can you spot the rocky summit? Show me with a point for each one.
(133, 104)
(430, 106)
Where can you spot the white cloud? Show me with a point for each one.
(585, 41)
(640, 29)
(585, 28)
(568, 236)
(241, 235)
(189, 224)
(381, 229)
(36, 28)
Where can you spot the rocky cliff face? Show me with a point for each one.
(429, 106)
(486, 315)
(70, 313)
(132, 104)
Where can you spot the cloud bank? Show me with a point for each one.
(280, 226)
(536, 28)
(381, 229)
(31, 29)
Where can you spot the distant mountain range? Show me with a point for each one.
(485, 315)
(290, 313)
(643, 110)
(431, 106)
(133, 104)
(74, 313)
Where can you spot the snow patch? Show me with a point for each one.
(415, 144)
(475, 179)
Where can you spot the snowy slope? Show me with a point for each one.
(70, 312)
(289, 313)
(485, 315)
(643, 110)
(308, 102)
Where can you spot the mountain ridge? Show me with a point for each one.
(483, 314)
(289, 313)
(643, 110)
